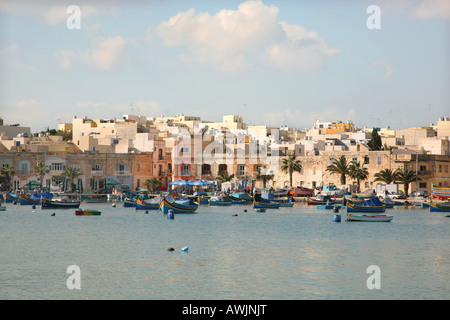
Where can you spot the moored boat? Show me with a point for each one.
(25, 199)
(11, 197)
(166, 205)
(371, 205)
(442, 193)
(144, 205)
(88, 212)
(320, 200)
(266, 205)
(220, 201)
(59, 204)
(2, 208)
(440, 207)
(129, 203)
(369, 217)
(286, 204)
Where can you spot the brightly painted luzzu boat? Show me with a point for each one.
(166, 205)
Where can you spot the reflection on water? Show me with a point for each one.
(289, 253)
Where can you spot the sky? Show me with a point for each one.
(274, 62)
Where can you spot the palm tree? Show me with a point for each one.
(405, 177)
(8, 172)
(358, 172)
(224, 177)
(291, 165)
(40, 169)
(72, 174)
(340, 167)
(387, 176)
(152, 183)
(264, 175)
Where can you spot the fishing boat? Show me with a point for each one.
(440, 207)
(442, 193)
(11, 197)
(371, 205)
(388, 202)
(320, 200)
(266, 205)
(59, 204)
(203, 200)
(369, 194)
(240, 198)
(25, 199)
(146, 205)
(303, 192)
(286, 204)
(369, 217)
(129, 203)
(220, 201)
(88, 212)
(2, 208)
(166, 205)
(325, 206)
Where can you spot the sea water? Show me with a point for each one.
(233, 252)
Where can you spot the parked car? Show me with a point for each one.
(419, 193)
(399, 195)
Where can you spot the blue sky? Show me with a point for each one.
(273, 62)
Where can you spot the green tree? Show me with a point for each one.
(290, 165)
(263, 174)
(339, 167)
(225, 177)
(405, 177)
(8, 172)
(40, 169)
(387, 176)
(375, 141)
(152, 184)
(71, 173)
(358, 172)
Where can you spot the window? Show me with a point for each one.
(57, 166)
(423, 168)
(23, 167)
(331, 159)
(184, 149)
(138, 167)
(355, 159)
(378, 159)
(366, 160)
(222, 168)
(242, 170)
(185, 170)
(422, 185)
(446, 168)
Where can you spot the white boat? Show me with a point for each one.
(2, 208)
(369, 217)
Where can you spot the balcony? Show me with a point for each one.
(161, 173)
(423, 173)
(96, 173)
(121, 172)
(185, 173)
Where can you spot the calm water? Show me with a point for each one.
(289, 253)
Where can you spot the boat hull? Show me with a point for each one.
(219, 203)
(45, 204)
(369, 218)
(141, 205)
(9, 198)
(316, 202)
(266, 205)
(87, 213)
(165, 206)
(438, 208)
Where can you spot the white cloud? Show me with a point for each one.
(249, 37)
(389, 70)
(429, 9)
(105, 54)
(24, 104)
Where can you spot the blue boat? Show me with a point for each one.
(177, 206)
(129, 203)
(372, 205)
(34, 199)
(11, 197)
(240, 198)
(440, 207)
(220, 201)
(143, 205)
(267, 205)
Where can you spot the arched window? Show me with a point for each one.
(23, 167)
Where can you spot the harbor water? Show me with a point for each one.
(297, 253)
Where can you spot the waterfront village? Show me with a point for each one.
(138, 153)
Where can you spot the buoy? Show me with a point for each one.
(33, 207)
(185, 249)
(337, 218)
(234, 215)
(336, 208)
(245, 210)
(53, 214)
(170, 214)
(146, 211)
(114, 205)
(170, 249)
